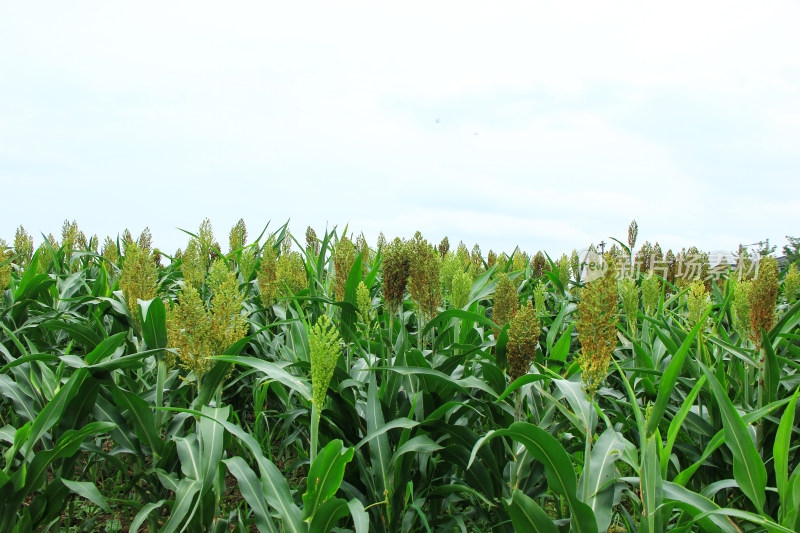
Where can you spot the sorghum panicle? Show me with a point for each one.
(396, 269)
(268, 274)
(237, 237)
(506, 302)
(23, 247)
(597, 326)
(523, 338)
(791, 284)
(633, 232)
(137, 281)
(324, 349)
(344, 255)
(763, 297)
(424, 277)
(651, 293)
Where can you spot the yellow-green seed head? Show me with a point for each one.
(424, 277)
(5, 265)
(791, 284)
(268, 274)
(539, 264)
(741, 307)
(396, 269)
(137, 281)
(651, 293)
(364, 302)
(575, 265)
(238, 236)
(597, 326)
(697, 301)
(763, 296)
(312, 243)
(523, 338)
(23, 247)
(344, 256)
(291, 274)
(506, 301)
(461, 288)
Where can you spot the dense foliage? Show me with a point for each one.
(405, 387)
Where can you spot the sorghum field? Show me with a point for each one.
(324, 383)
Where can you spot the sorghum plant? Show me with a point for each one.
(597, 327)
(137, 281)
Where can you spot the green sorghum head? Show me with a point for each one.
(5, 265)
(364, 302)
(697, 301)
(137, 281)
(424, 277)
(506, 301)
(539, 264)
(575, 265)
(247, 263)
(741, 307)
(200, 329)
(462, 254)
(363, 248)
(651, 293)
(448, 264)
(476, 260)
(312, 243)
(461, 288)
(344, 256)
(268, 273)
(491, 259)
(396, 269)
(23, 247)
(237, 237)
(523, 337)
(562, 265)
(791, 284)
(69, 235)
(672, 266)
(110, 251)
(763, 296)
(324, 348)
(381, 241)
(290, 272)
(597, 326)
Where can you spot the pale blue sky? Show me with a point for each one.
(558, 122)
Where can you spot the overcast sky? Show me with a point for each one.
(548, 125)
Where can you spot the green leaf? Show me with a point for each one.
(605, 452)
(273, 372)
(88, 490)
(418, 444)
(251, 489)
(560, 470)
(526, 515)
(325, 476)
(328, 514)
(154, 324)
(651, 486)
(141, 516)
(404, 423)
(781, 449)
(748, 468)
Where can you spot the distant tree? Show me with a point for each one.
(792, 250)
(764, 249)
